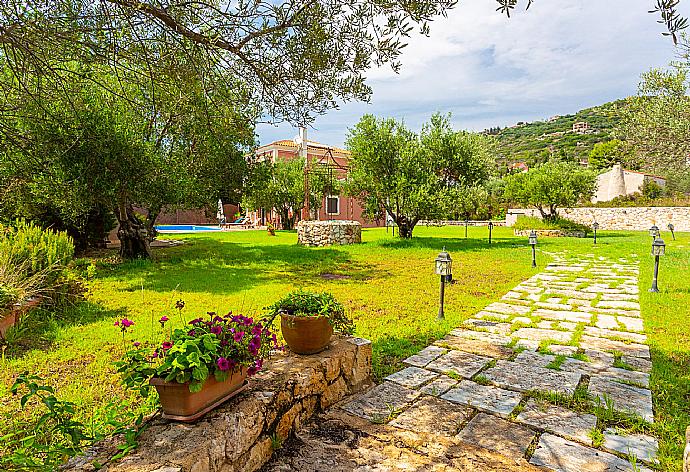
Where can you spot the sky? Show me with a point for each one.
(558, 57)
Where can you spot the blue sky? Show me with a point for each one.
(487, 70)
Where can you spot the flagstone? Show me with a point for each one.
(439, 386)
(490, 326)
(582, 367)
(604, 344)
(559, 349)
(433, 415)
(553, 306)
(426, 355)
(538, 334)
(637, 363)
(572, 294)
(545, 324)
(567, 325)
(606, 322)
(508, 309)
(462, 363)
(631, 324)
(558, 420)
(380, 402)
(475, 346)
(487, 314)
(619, 297)
(498, 435)
(609, 311)
(643, 447)
(629, 376)
(574, 316)
(599, 357)
(534, 358)
(525, 378)
(521, 319)
(625, 398)
(575, 302)
(562, 455)
(625, 305)
(484, 398)
(528, 344)
(607, 333)
(412, 377)
(492, 338)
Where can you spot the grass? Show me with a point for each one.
(387, 285)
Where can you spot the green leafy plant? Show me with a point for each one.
(303, 303)
(217, 345)
(557, 223)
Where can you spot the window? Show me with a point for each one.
(333, 205)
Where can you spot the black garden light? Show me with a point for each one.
(533, 243)
(671, 228)
(595, 227)
(654, 232)
(466, 225)
(444, 268)
(491, 227)
(658, 249)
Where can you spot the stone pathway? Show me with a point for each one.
(506, 379)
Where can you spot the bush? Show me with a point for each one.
(558, 223)
(35, 249)
(302, 303)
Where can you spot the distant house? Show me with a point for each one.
(581, 127)
(518, 167)
(335, 162)
(619, 182)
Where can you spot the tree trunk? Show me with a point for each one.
(287, 222)
(132, 233)
(405, 227)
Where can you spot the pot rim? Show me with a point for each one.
(159, 380)
(308, 317)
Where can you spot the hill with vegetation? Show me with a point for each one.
(537, 142)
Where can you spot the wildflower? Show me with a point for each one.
(117, 323)
(218, 319)
(179, 304)
(224, 342)
(223, 364)
(195, 321)
(192, 332)
(155, 354)
(167, 345)
(237, 337)
(254, 345)
(163, 320)
(136, 343)
(216, 330)
(256, 330)
(124, 323)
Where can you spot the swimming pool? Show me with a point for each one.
(186, 228)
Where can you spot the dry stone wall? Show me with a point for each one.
(327, 233)
(628, 218)
(240, 435)
(550, 233)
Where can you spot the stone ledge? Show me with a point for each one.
(238, 436)
(550, 233)
(326, 233)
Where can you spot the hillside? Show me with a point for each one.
(536, 142)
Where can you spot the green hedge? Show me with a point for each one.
(564, 224)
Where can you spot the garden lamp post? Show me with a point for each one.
(658, 249)
(491, 227)
(595, 227)
(466, 223)
(444, 268)
(533, 243)
(654, 232)
(671, 228)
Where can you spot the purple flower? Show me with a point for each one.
(237, 337)
(195, 321)
(117, 323)
(224, 342)
(136, 343)
(192, 332)
(256, 330)
(218, 319)
(223, 364)
(167, 345)
(216, 330)
(126, 323)
(254, 345)
(155, 354)
(163, 320)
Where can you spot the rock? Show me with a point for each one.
(461, 363)
(381, 402)
(484, 397)
(537, 334)
(426, 355)
(525, 378)
(643, 447)
(439, 386)
(433, 415)
(412, 377)
(475, 346)
(498, 435)
(558, 420)
(325, 233)
(625, 398)
(604, 344)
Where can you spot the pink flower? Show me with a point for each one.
(216, 330)
(167, 345)
(237, 337)
(163, 320)
(223, 364)
(136, 343)
(127, 323)
(192, 332)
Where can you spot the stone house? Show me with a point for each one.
(618, 182)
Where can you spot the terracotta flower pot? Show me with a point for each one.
(180, 404)
(306, 334)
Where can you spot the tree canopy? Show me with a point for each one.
(413, 177)
(607, 154)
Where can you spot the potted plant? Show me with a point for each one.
(307, 320)
(271, 229)
(198, 367)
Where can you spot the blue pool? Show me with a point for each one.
(186, 228)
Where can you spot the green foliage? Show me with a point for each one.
(607, 154)
(303, 303)
(549, 186)
(413, 177)
(40, 249)
(529, 223)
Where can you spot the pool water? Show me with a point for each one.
(186, 228)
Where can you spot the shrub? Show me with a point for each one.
(34, 248)
(303, 303)
(563, 224)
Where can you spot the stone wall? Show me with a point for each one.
(326, 233)
(686, 456)
(239, 436)
(550, 233)
(628, 218)
(459, 223)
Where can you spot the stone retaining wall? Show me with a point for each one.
(326, 233)
(686, 456)
(459, 223)
(550, 233)
(628, 218)
(240, 435)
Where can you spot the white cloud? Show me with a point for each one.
(556, 58)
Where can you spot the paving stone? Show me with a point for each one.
(619, 297)
(538, 334)
(512, 295)
(581, 367)
(464, 364)
(490, 315)
(558, 420)
(484, 397)
(545, 324)
(508, 309)
(619, 304)
(568, 325)
(555, 301)
(499, 435)
(573, 316)
(572, 294)
(561, 285)
(528, 344)
(433, 415)
(521, 319)
(485, 325)
(553, 306)
(476, 347)
(534, 358)
(561, 455)
(604, 344)
(604, 359)
(609, 311)
(564, 268)
(562, 350)
(381, 401)
(631, 324)
(439, 386)
(578, 302)
(644, 447)
(606, 322)
(491, 338)
(625, 397)
(425, 356)
(629, 376)
(525, 378)
(637, 363)
(412, 377)
(607, 333)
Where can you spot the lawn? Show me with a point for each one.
(387, 285)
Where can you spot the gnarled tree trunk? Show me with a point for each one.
(132, 233)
